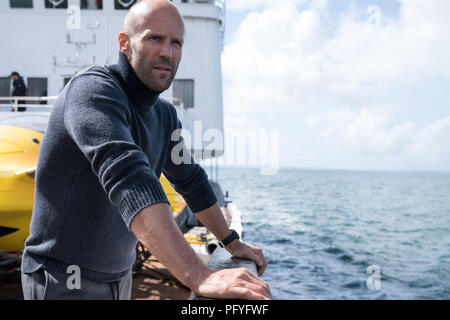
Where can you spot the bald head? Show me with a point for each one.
(142, 9)
(152, 41)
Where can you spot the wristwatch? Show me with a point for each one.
(233, 236)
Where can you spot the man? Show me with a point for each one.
(97, 182)
(19, 89)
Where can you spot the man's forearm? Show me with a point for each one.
(156, 229)
(213, 219)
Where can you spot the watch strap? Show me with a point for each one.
(233, 236)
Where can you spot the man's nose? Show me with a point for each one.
(166, 50)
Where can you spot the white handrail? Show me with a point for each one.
(177, 102)
(14, 102)
(28, 98)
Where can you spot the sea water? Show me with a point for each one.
(345, 234)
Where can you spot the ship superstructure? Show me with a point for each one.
(49, 41)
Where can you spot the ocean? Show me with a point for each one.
(347, 234)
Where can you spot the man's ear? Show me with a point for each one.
(124, 44)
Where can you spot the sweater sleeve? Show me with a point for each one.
(188, 178)
(97, 121)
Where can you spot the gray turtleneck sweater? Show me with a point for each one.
(107, 142)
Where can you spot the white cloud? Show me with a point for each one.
(363, 132)
(341, 134)
(287, 67)
(293, 49)
(404, 50)
(319, 5)
(431, 144)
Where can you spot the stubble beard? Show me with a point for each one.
(146, 74)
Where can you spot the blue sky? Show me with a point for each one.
(347, 87)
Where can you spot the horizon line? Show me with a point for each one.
(334, 169)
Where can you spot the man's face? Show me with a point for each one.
(14, 78)
(156, 48)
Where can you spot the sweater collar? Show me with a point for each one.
(135, 89)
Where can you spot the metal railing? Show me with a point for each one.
(14, 105)
(177, 102)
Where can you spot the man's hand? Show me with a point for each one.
(244, 250)
(232, 284)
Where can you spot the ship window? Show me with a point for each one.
(21, 3)
(184, 90)
(91, 4)
(56, 4)
(66, 81)
(5, 88)
(123, 4)
(37, 87)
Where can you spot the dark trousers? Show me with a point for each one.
(21, 109)
(49, 285)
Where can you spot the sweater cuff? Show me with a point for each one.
(139, 198)
(201, 199)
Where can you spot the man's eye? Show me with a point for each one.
(155, 38)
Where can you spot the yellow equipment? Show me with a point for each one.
(19, 149)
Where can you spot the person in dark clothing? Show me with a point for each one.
(19, 89)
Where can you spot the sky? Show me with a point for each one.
(348, 84)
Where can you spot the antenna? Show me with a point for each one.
(80, 49)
